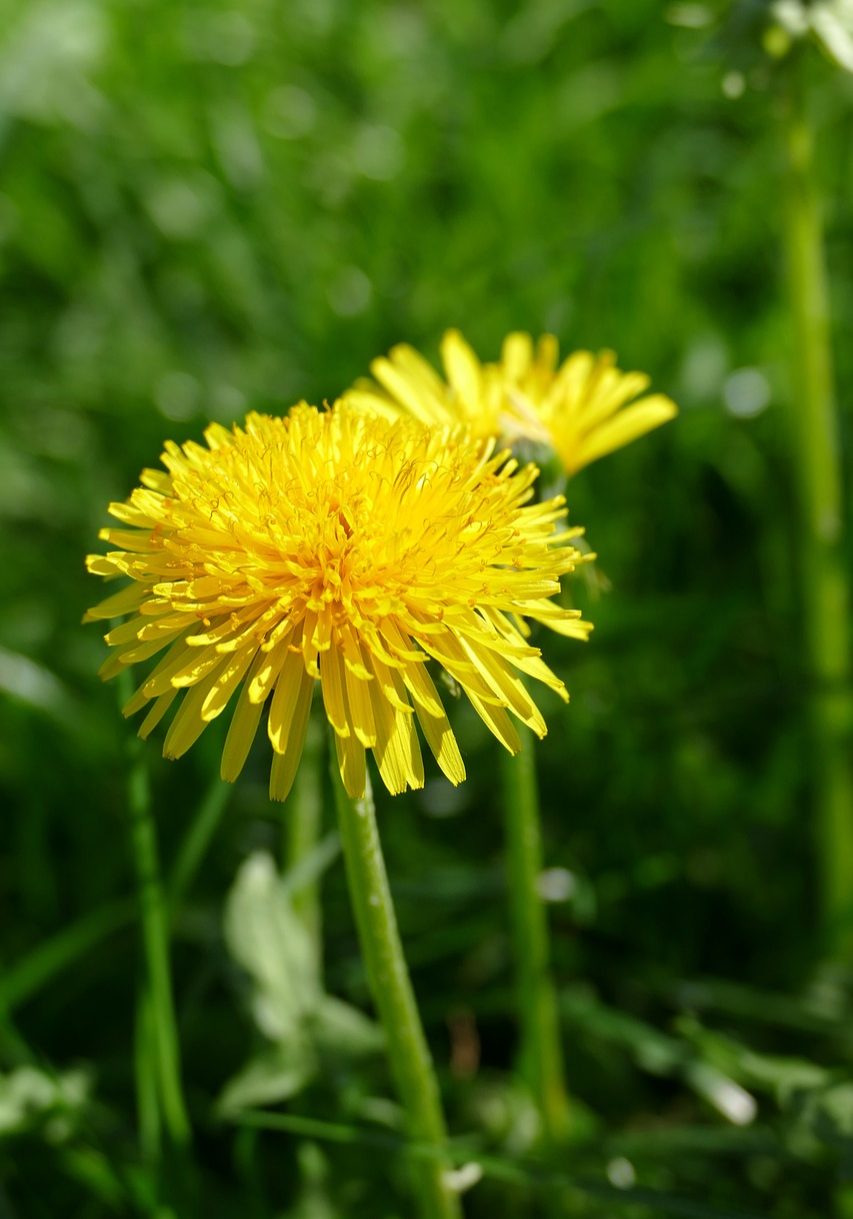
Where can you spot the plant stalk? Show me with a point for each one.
(540, 1050)
(155, 939)
(389, 982)
(816, 462)
(147, 1091)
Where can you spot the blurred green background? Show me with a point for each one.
(208, 208)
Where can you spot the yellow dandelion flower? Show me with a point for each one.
(342, 550)
(583, 408)
(472, 393)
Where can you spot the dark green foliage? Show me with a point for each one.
(207, 209)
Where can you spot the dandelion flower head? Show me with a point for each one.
(582, 408)
(342, 550)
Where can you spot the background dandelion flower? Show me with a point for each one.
(582, 409)
(343, 549)
(471, 393)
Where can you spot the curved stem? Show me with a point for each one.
(816, 465)
(155, 939)
(147, 1099)
(541, 1055)
(392, 992)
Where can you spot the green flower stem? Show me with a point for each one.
(541, 1055)
(816, 462)
(392, 992)
(155, 939)
(303, 818)
(147, 1092)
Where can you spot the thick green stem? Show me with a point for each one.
(541, 1055)
(155, 938)
(817, 468)
(303, 825)
(392, 992)
(147, 1092)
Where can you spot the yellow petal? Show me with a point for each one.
(353, 656)
(611, 390)
(449, 653)
(463, 368)
(332, 685)
(159, 680)
(289, 690)
(127, 632)
(266, 674)
(508, 686)
(232, 672)
(561, 621)
(131, 540)
(422, 687)
(630, 423)
(517, 355)
(196, 666)
(396, 751)
(150, 647)
(498, 722)
(369, 400)
(423, 378)
(547, 354)
(131, 514)
(351, 763)
(156, 713)
(439, 736)
(156, 480)
(119, 604)
(384, 675)
(111, 668)
(285, 765)
(360, 703)
(189, 724)
(241, 732)
(400, 388)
